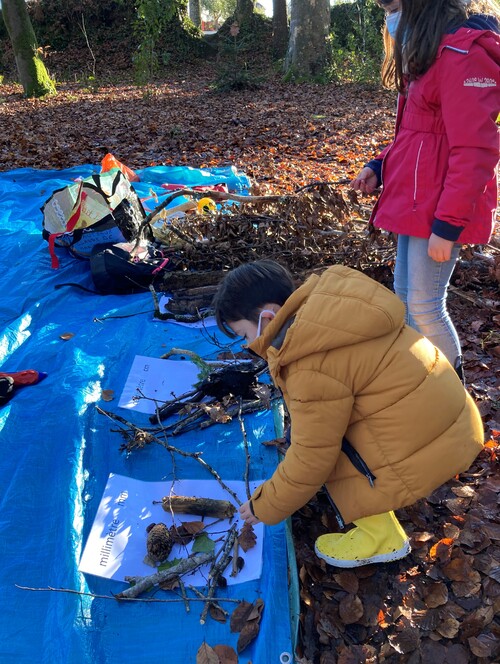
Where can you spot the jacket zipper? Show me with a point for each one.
(358, 462)
(416, 176)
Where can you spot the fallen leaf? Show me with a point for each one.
(437, 595)
(240, 615)
(193, 527)
(203, 544)
(217, 614)
(248, 634)
(66, 335)
(406, 641)
(107, 395)
(484, 646)
(448, 628)
(247, 538)
(350, 609)
(348, 581)
(206, 655)
(442, 550)
(227, 655)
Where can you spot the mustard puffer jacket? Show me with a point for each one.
(347, 365)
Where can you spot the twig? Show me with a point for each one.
(318, 184)
(236, 548)
(211, 601)
(218, 569)
(146, 582)
(184, 596)
(247, 453)
(170, 448)
(130, 599)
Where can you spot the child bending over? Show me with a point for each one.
(378, 414)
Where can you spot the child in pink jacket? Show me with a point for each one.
(439, 173)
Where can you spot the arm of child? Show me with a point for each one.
(318, 423)
(472, 136)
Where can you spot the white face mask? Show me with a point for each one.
(259, 324)
(392, 22)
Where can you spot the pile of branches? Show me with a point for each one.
(320, 225)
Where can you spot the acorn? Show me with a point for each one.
(159, 542)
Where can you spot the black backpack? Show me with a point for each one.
(115, 271)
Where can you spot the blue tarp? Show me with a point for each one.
(57, 453)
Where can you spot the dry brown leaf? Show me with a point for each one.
(484, 646)
(350, 609)
(405, 641)
(192, 527)
(206, 655)
(442, 550)
(66, 336)
(240, 615)
(348, 581)
(436, 595)
(217, 614)
(448, 628)
(247, 538)
(107, 395)
(247, 635)
(227, 655)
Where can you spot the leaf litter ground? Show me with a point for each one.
(441, 604)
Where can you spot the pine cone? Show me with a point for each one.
(159, 543)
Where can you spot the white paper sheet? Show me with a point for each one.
(116, 545)
(156, 379)
(206, 322)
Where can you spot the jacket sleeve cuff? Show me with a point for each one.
(445, 230)
(376, 166)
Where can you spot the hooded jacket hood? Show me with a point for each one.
(479, 28)
(357, 309)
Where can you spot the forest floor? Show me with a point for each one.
(441, 604)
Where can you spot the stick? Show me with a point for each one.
(130, 599)
(146, 582)
(247, 453)
(192, 455)
(218, 569)
(221, 509)
(208, 599)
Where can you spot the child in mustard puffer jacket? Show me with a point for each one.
(378, 415)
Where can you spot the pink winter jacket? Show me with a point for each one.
(439, 174)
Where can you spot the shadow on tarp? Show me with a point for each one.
(57, 453)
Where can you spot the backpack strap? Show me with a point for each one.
(72, 221)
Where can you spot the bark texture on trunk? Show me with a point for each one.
(195, 12)
(33, 75)
(307, 46)
(280, 28)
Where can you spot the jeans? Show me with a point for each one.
(421, 284)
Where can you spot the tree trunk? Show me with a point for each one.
(280, 28)
(244, 11)
(32, 73)
(195, 12)
(307, 46)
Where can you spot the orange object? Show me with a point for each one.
(110, 161)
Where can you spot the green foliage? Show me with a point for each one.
(219, 10)
(235, 45)
(164, 31)
(58, 23)
(356, 42)
(203, 544)
(168, 564)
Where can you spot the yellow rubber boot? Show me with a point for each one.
(375, 539)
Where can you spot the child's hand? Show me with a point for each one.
(366, 181)
(439, 249)
(246, 514)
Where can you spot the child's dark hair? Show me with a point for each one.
(247, 288)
